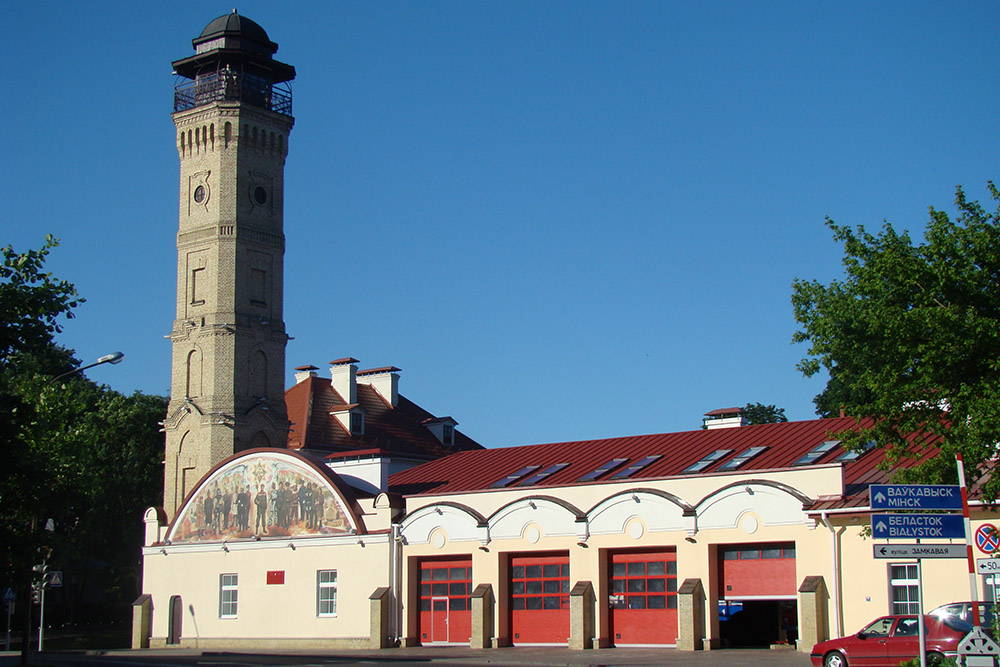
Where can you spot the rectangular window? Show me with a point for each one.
(635, 467)
(740, 459)
(542, 474)
(228, 595)
(513, 477)
(706, 461)
(594, 474)
(816, 453)
(903, 589)
(326, 593)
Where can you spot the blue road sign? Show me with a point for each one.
(901, 497)
(918, 526)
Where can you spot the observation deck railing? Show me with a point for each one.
(228, 86)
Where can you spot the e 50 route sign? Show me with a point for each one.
(902, 497)
(918, 526)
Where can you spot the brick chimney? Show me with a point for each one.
(343, 378)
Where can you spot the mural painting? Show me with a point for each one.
(261, 495)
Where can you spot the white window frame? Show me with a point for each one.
(228, 595)
(326, 592)
(911, 604)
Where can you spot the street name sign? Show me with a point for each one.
(921, 551)
(918, 526)
(915, 497)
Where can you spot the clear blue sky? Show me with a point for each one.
(562, 220)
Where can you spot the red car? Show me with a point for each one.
(889, 640)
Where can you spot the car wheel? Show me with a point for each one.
(934, 659)
(834, 659)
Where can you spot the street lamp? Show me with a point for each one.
(113, 358)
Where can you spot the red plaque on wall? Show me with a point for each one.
(275, 576)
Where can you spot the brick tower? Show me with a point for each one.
(232, 110)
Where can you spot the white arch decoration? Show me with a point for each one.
(659, 514)
(460, 524)
(775, 505)
(554, 519)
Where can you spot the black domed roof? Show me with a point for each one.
(234, 24)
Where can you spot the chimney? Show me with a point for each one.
(343, 378)
(383, 380)
(724, 418)
(303, 373)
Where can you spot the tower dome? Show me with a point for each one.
(234, 26)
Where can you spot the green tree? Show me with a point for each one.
(758, 413)
(911, 338)
(81, 454)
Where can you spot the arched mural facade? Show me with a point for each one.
(256, 495)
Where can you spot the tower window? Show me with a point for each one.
(199, 194)
(259, 195)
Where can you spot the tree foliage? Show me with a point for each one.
(911, 337)
(758, 413)
(81, 454)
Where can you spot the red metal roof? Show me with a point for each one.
(786, 442)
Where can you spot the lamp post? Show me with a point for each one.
(113, 358)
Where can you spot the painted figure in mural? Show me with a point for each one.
(208, 512)
(227, 507)
(260, 502)
(272, 509)
(319, 506)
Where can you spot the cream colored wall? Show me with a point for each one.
(266, 611)
(865, 583)
(692, 515)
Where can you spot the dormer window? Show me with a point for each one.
(357, 423)
(448, 435)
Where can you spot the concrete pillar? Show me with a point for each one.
(142, 616)
(690, 616)
(581, 615)
(482, 617)
(378, 626)
(813, 605)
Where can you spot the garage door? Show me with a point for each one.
(539, 600)
(761, 571)
(643, 598)
(445, 609)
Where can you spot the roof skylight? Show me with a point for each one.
(706, 461)
(857, 454)
(542, 474)
(816, 453)
(740, 459)
(635, 467)
(594, 474)
(513, 477)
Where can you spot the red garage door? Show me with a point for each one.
(757, 571)
(445, 610)
(539, 600)
(643, 598)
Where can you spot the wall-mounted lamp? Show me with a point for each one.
(361, 543)
(163, 551)
(691, 540)
(635, 497)
(748, 490)
(225, 547)
(291, 546)
(484, 549)
(583, 544)
(532, 505)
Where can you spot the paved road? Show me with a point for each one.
(453, 657)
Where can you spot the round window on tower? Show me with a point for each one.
(259, 195)
(199, 194)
